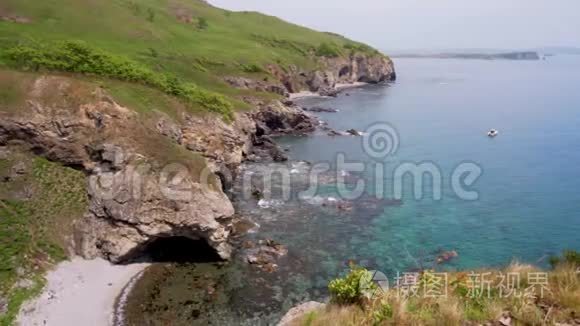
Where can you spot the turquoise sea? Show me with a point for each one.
(529, 203)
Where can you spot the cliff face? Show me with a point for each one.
(80, 126)
(358, 67)
(128, 160)
(340, 70)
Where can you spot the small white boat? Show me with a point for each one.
(492, 133)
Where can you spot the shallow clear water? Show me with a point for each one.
(528, 206)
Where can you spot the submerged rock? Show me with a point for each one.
(334, 133)
(266, 149)
(242, 227)
(446, 256)
(354, 132)
(265, 254)
(320, 109)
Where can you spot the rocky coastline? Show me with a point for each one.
(81, 126)
(92, 132)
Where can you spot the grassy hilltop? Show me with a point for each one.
(178, 47)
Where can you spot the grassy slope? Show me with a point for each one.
(32, 230)
(165, 36)
(559, 303)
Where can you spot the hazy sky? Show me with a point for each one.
(433, 24)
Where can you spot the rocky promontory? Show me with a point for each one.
(80, 125)
(116, 141)
(360, 67)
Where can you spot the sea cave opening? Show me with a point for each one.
(177, 249)
(344, 71)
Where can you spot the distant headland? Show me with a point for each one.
(524, 55)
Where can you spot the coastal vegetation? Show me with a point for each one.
(183, 48)
(39, 200)
(80, 57)
(519, 294)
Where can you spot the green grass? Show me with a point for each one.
(18, 297)
(9, 95)
(80, 57)
(144, 100)
(181, 47)
(329, 50)
(12, 90)
(32, 230)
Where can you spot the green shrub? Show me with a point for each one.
(383, 313)
(153, 53)
(360, 47)
(214, 102)
(329, 50)
(251, 68)
(79, 57)
(310, 317)
(279, 43)
(150, 15)
(353, 288)
(202, 23)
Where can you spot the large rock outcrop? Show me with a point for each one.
(340, 70)
(133, 198)
(351, 69)
(147, 178)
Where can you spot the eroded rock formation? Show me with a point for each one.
(358, 67)
(131, 203)
(341, 70)
(129, 162)
(160, 175)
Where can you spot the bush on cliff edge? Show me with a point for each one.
(354, 288)
(80, 57)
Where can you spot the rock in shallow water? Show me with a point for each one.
(264, 254)
(354, 132)
(446, 256)
(320, 109)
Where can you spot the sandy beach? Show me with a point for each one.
(79, 292)
(348, 86)
(339, 87)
